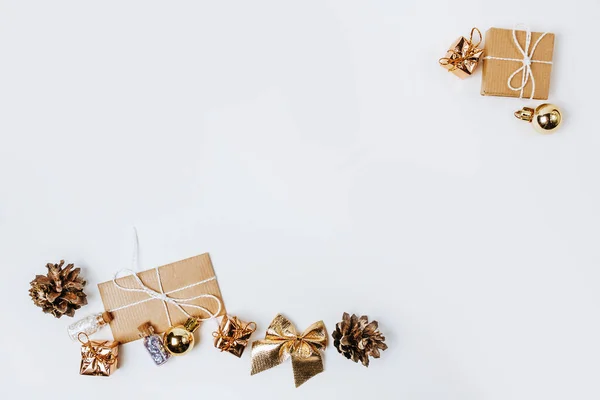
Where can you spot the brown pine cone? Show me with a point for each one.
(357, 339)
(60, 291)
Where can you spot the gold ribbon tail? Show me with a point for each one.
(266, 355)
(306, 368)
(307, 360)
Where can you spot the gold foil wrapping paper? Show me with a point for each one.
(282, 341)
(98, 358)
(233, 335)
(463, 56)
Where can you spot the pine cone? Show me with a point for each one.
(357, 339)
(60, 292)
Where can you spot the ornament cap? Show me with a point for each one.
(191, 324)
(546, 118)
(525, 114)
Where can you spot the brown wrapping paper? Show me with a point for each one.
(499, 43)
(173, 277)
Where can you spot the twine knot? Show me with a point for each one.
(165, 298)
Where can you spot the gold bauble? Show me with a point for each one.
(179, 339)
(546, 118)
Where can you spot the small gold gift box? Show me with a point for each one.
(463, 56)
(233, 335)
(98, 358)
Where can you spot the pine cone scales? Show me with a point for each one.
(60, 291)
(357, 339)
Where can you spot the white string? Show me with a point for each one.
(162, 295)
(136, 250)
(162, 292)
(526, 61)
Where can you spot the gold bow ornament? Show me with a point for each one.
(98, 358)
(463, 56)
(282, 342)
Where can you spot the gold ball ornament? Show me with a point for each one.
(546, 118)
(179, 340)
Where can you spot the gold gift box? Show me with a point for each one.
(463, 56)
(233, 335)
(99, 358)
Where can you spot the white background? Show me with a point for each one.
(328, 164)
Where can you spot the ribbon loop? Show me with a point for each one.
(473, 30)
(282, 341)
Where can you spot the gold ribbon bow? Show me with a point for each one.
(465, 55)
(282, 342)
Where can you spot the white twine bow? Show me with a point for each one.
(163, 296)
(526, 61)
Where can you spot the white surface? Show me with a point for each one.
(328, 164)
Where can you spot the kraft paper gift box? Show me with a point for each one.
(526, 66)
(184, 279)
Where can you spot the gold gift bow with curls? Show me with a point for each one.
(282, 342)
(97, 358)
(240, 330)
(459, 58)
